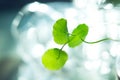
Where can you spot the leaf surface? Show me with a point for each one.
(54, 59)
(60, 31)
(78, 35)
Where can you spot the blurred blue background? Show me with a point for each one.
(8, 62)
(8, 11)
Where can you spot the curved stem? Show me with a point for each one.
(99, 40)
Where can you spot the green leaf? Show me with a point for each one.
(77, 35)
(54, 59)
(60, 31)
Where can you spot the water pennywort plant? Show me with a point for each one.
(54, 59)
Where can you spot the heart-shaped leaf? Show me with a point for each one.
(60, 31)
(78, 35)
(54, 59)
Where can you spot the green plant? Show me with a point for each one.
(54, 59)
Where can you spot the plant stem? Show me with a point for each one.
(99, 40)
(61, 50)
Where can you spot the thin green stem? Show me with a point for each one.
(99, 40)
(61, 50)
(63, 46)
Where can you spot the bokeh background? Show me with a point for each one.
(8, 61)
(8, 10)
